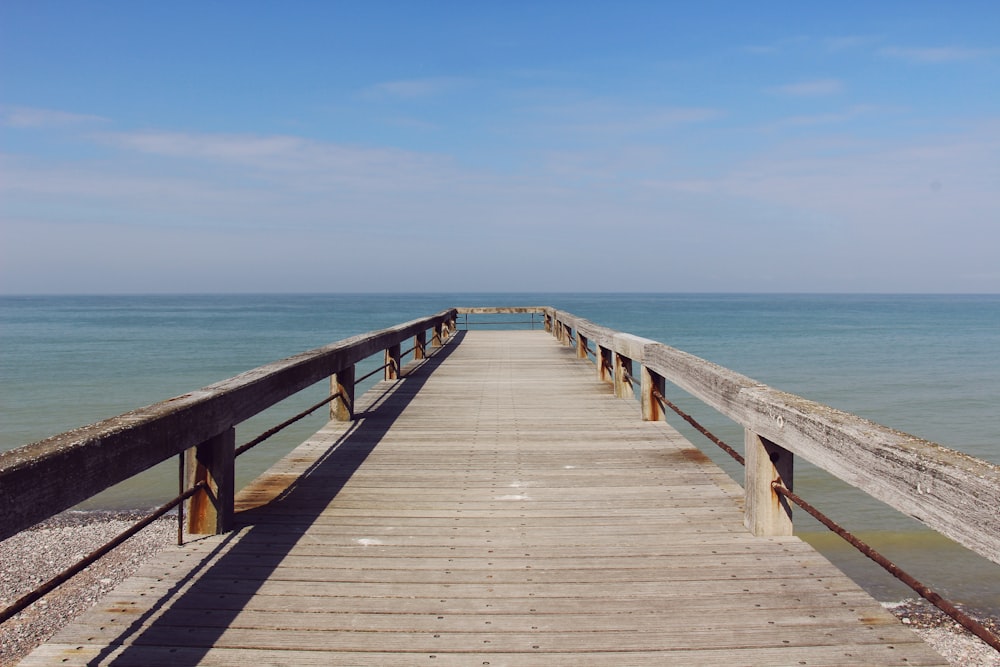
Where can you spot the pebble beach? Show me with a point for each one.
(35, 555)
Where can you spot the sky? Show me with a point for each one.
(438, 146)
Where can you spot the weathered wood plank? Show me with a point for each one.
(171, 656)
(955, 494)
(46, 477)
(482, 511)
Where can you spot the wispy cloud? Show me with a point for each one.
(31, 117)
(600, 118)
(409, 89)
(940, 54)
(778, 46)
(830, 118)
(235, 181)
(276, 156)
(206, 146)
(848, 42)
(814, 88)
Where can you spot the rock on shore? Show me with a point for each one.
(34, 556)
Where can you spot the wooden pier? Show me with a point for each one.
(498, 505)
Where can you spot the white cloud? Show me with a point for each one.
(814, 88)
(943, 54)
(298, 162)
(830, 118)
(207, 146)
(597, 118)
(413, 88)
(848, 42)
(30, 117)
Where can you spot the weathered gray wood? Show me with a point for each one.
(766, 512)
(211, 510)
(953, 493)
(496, 505)
(46, 477)
(342, 386)
(581, 346)
(621, 374)
(651, 382)
(392, 362)
(420, 345)
(501, 310)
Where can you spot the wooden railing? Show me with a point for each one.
(952, 493)
(39, 480)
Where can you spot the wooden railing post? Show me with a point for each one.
(652, 382)
(603, 361)
(622, 371)
(392, 361)
(436, 339)
(420, 345)
(210, 511)
(581, 345)
(342, 383)
(548, 322)
(766, 513)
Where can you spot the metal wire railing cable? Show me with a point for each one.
(285, 424)
(665, 402)
(498, 323)
(966, 621)
(24, 601)
(698, 427)
(311, 409)
(377, 370)
(969, 623)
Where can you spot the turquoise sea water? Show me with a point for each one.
(925, 364)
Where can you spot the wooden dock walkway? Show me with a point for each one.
(498, 506)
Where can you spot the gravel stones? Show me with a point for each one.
(34, 556)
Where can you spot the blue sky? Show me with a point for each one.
(499, 146)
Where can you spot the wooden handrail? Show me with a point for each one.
(49, 476)
(953, 493)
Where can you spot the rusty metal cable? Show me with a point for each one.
(701, 429)
(969, 623)
(365, 377)
(288, 422)
(24, 601)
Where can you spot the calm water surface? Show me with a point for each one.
(927, 365)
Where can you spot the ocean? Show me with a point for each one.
(924, 364)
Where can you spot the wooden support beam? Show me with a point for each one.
(437, 339)
(603, 362)
(392, 361)
(420, 345)
(581, 345)
(623, 369)
(766, 513)
(651, 382)
(210, 511)
(342, 407)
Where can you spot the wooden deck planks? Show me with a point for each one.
(499, 506)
